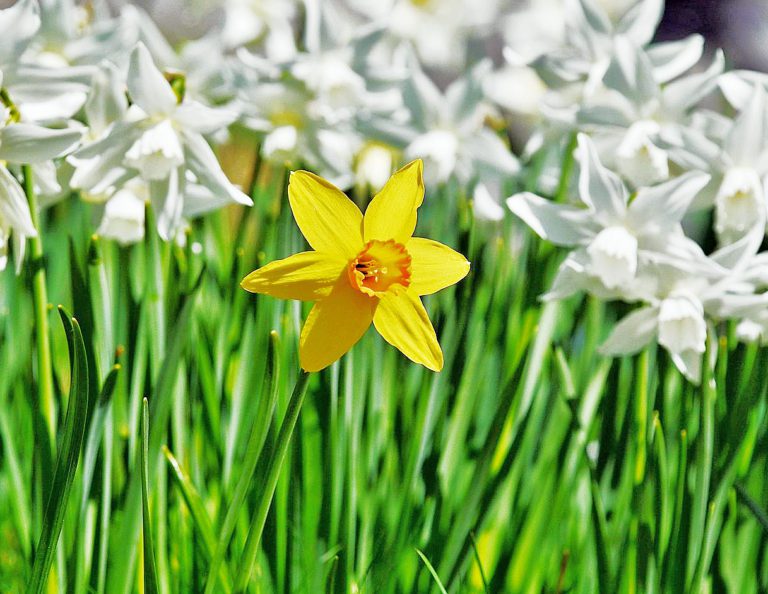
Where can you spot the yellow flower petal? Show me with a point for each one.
(403, 322)
(434, 266)
(334, 325)
(306, 276)
(392, 212)
(328, 219)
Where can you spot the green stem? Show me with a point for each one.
(569, 160)
(40, 295)
(273, 474)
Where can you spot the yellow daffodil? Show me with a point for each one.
(364, 269)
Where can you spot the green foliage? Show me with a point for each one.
(530, 464)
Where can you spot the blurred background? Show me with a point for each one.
(740, 27)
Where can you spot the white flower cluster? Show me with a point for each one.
(658, 168)
(100, 105)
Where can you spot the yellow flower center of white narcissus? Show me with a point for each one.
(381, 266)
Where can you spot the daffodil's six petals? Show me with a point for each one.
(329, 220)
(434, 266)
(364, 269)
(306, 276)
(334, 325)
(392, 212)
(404, 323)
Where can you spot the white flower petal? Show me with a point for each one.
(746, 141)
(632, 333)
(681, 323)
(202, 162)
(147, 85)
(166, 196)
(559, 223)
(683, 93)
(29, 143)
(599, 188)
(659, 208)
(200, 118)
(670, 59)
(640, 23)
(689, 364)
(613, 257)
(14, 210)
(123, 218)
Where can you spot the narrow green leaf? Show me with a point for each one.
(253, 451)
(273, 473)
(432, 571)
(69, 454)
(150, 571)
(199, 514)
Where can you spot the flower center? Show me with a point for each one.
(381, 266)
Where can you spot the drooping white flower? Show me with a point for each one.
(156, 152)
(639, 122)
(613, 256)
(159, 138)
(374, 165)
(681, 323)
(448, 130)
(684, 300)
(638, 159)
(614, 238)
(123, 218)
(739, 203)
(24, 143)
(737, 158)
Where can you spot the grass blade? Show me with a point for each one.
(253, 451)
(199, 514)
(432, 571)
(273, 473)
(69, 454)
(150, 571)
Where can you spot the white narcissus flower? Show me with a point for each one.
(159, 138)
(123, 218)
(156, 152)
(739, 203)
(23, 143)
(374, 164)
(613, 237)
(638, 122)
(638, 159)
(738, 161)
(613, 254)
(683, 300)
(681, 323)
(448, 130)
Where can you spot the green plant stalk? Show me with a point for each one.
(253, 451)
(273, 473)
(40, 295)
(150, 570)
(66, 464)
(569, 160)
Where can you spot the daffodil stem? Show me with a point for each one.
(567, 168)
(40, 295)
(273, 474)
